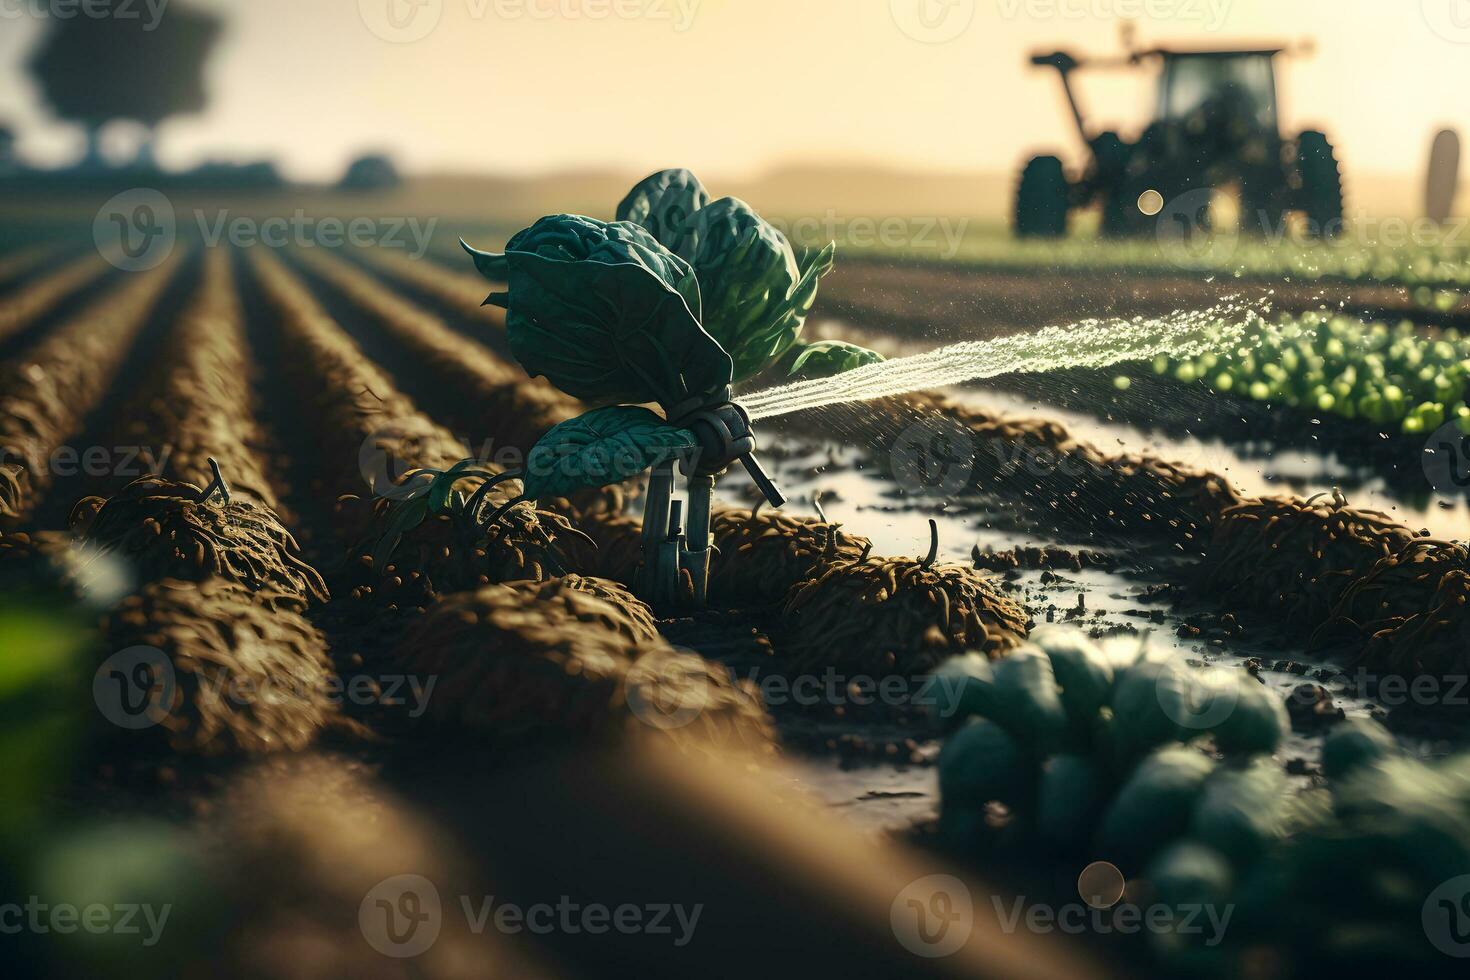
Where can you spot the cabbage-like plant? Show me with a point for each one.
(672, 303)
(605, 313)
(757, 296)
(757, 292)
(662, 202)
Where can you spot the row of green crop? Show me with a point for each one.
(1394, 377)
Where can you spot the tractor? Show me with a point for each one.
(1215, 127)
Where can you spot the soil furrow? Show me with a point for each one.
(965, 303)
(461, 292)
(483, 397)
(107, 458)
(20, 262)
(49, 393)
(31, 301)
(1354, 582)
(196, 403)
(370, 436)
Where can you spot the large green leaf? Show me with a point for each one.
(756, 294)
(607, 314)
(662, 202)
(825, 358)
(604, 446)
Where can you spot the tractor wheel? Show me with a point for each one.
(1041, 199)
(1321, 184)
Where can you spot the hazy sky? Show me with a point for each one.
(737, 85)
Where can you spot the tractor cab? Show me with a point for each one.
(1215, 127)
(1236, 85)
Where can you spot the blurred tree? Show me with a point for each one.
(370, 172)
(7, 148)
(124, 64)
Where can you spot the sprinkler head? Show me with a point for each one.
(725, 437)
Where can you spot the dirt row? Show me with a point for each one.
(215, 615)
(482, 394)
(461, 291)
(19, 262)
(196, 401)
(1353, 583)
(370, 437)
(965, 303)
(34, 299)
(47, 392)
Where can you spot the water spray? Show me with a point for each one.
(1091, 343)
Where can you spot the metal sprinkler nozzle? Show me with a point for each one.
(722, 430)
(725, 437)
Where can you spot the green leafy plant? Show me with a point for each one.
(433, 493)
(757, 296)
(662, 201)
(605, 313)
(604, 446)
(826, 358)
(1093, 751)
